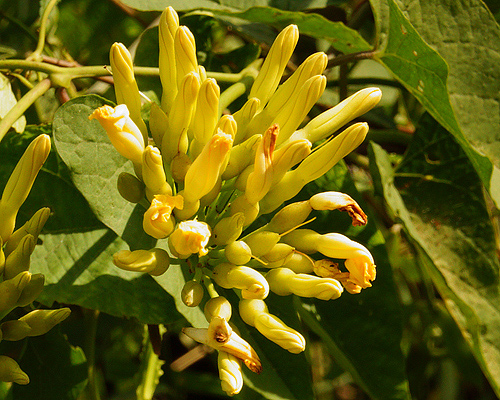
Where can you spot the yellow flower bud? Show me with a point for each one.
(122, 131)
(19, 260)
(280, 253)
(153, 173)
(158, 123)
(175, 139)
(190, 237)
(228, 229)
(243, 117)
(202, 72)
(179, 167)
(238, 252)
(206, 114)
(155, 261)
(270, 74)
(289, 217)
(288, 155)
(188, 210)
(192, 293)
(11, 290)
(297, 262)
(20, 182)
(15, 330)
(231, 377)
(361, 269)
(284, 281)
(32, 290)
(10, 371)
(260, 180)
(249, 210)
(130, 188)
(185, 53)
(339, 201)
(33, 227)
(158, 221)
(168, 25)
(251, 282)
(329, 121)
(126, 89)
(204, 172)
(254, 312)
(42, 321)
(262, 242)
(336, 245)
(218, 307)
(241, 156)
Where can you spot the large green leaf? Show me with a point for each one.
(437, 195)
(461, 90)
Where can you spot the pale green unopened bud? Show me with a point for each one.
(185, 53)
(32, 290)
(243, 117)
(297, 262)
(42, 321)
(190, 237)
(254, 312)
(279, 253)
(249, 210)
(251, 282)
(231, 377)
(15, 330)
(241, 156)
(228, 229)
(289, 217)
(122, 131)
(11, 289)
(270, 74)
(153, 173)
(19, 260)
(175, 140)
(339, 201)
(20, 182)
(155, 261)
(206, 114)
(126, 89)
(192, 293)
(305, 240)
(168, 25)
(329, 121)
(218, 307)
(238, 252)
(288, 156)
(130, 188)
(262, 242)
(10, 371)
(284, 281)
(206, 169)
(33, 227)
(158, 221)
(158, 123)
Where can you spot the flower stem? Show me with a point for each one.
(43, 30)
(151, 372)
(91, 317)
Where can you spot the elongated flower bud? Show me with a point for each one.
(155, 261)
(298, 262)
(130, 187)
(158, 123)
(262, 242)
(11, 289)
(289, 217)
(185, 53)
(33, 227)
(336, 245)
(42, 321)
(238, 252)
(270, 74)
(20, 182)
(205, 170)
(231, 377)
(284, 281)
(329, 121)
(158, 221)
(241, 156)
(228, 229)
(168, 25)
(254, 312)
(243, 117)
(339, 201)
(207, 113)
(192, 293)
(19, 260)
(190, 237)
(32, 290)
(10, 371)
(126, 89)
(288, 156)
(218, 307)
(251, 282)
(14, 330)
(122, 131)
(280, 252)
(153, 173)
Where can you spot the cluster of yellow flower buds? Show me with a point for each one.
(18, 287)
(205, 177)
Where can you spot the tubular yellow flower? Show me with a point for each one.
(192, 293)
(19, 260)
(32, 290)
(298, 262)
(20, 182)
(185, 53)
(122, 131)
(11, 290)
(284, 281)
(251, 282)
(155, 261)
(158, 221)
(270, 74)
(288, 156)
(254, 312)
(289, 217)
(33, 227)
(339, 201)
(231, 377)
(158, 123)
(329, 269)
(14, 330)
(205, 170)
(42, 321)
(126, 89)
(228, 229)
(168, 25)
(280, 253)
(362, 270)
(206, 114)
(241, 156)
(10, 371)
(249, 210)
(190, 237)
(153, 173)
(238, 252)
(262, 242)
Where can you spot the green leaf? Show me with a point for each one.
(56, 369)
(457, 87)
(178, 5)
(437, 195)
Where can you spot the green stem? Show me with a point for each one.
(234, 91)
(348, 58)
(22, 105)
(151, 373)
(43, 30)
(91, 317)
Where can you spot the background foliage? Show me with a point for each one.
(427, 177)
